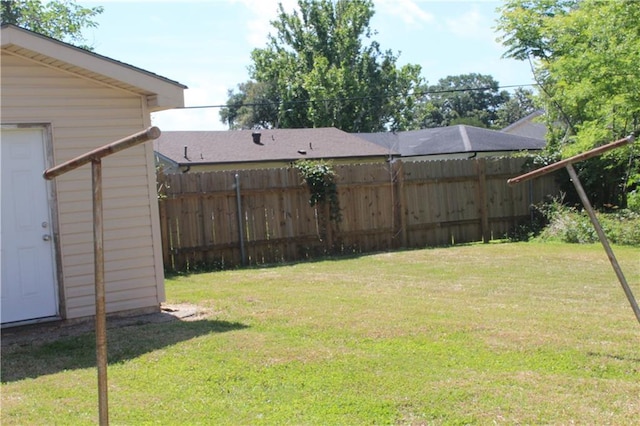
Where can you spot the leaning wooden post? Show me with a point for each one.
(94, 157)
(568, 164)
(603, 240)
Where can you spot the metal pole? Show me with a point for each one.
(243, 254)
(603, 239)
(101, 320)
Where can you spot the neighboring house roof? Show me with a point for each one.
(528, 127)
(161, 92)
(238, 146)
(452, 140)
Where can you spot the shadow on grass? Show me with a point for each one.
(615, 357)
(326, 257)
(346, 254)
(21, 361)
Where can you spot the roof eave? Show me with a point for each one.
(161, 92)
(271, 160)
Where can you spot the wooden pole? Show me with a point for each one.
(568, 164)
(101, 321)
(603, 240)
(563, 163)
(103, 151)
(94, 157)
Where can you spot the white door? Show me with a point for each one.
(27, 271)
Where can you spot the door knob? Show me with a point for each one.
(46, 237)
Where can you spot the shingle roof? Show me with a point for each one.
(527, 126)
(452, 140)
(237, 146)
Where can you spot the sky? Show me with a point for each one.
(206, 44)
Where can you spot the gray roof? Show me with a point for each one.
(528, 126)
(237, 146)
(452, 140)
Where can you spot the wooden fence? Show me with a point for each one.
(226, 219)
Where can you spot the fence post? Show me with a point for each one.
(481, 167)
(326, 212)
(243, 254)
(398, 167)
(164, 232)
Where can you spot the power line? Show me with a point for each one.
(358, 98)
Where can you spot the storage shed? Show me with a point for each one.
(58, 102)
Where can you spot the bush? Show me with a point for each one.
(633, 200)
(570, 225)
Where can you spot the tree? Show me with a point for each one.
(472, 99)
(250, 107)
(63, 19)
(585, 56)
(519, 105)
(318, 72)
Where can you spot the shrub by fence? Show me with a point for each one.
(226, 219)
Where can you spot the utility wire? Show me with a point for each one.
(358, 98)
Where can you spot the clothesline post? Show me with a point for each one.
(568, 165)
(95, 158)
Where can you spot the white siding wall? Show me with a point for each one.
(85, 115)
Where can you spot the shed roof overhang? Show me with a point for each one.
(161, 92)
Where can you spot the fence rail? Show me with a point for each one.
(383, 206)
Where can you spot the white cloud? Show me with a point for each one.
(261, 13)
(471, 24)
(409, 11)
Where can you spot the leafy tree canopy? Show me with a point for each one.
(473, 99)
(518, 105)
(585, 54)
(318, 70)
(62, 19)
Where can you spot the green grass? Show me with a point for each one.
(502, 333)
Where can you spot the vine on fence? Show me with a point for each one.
(321, 181)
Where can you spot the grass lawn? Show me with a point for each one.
(501, 333)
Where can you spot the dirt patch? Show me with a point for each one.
(51, 331)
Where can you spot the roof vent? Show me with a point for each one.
(256, 138)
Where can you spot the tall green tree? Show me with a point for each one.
(250, 107)
(63, 20)
(472, 99)
(320, 68)
(520, 104)
(585, 56)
